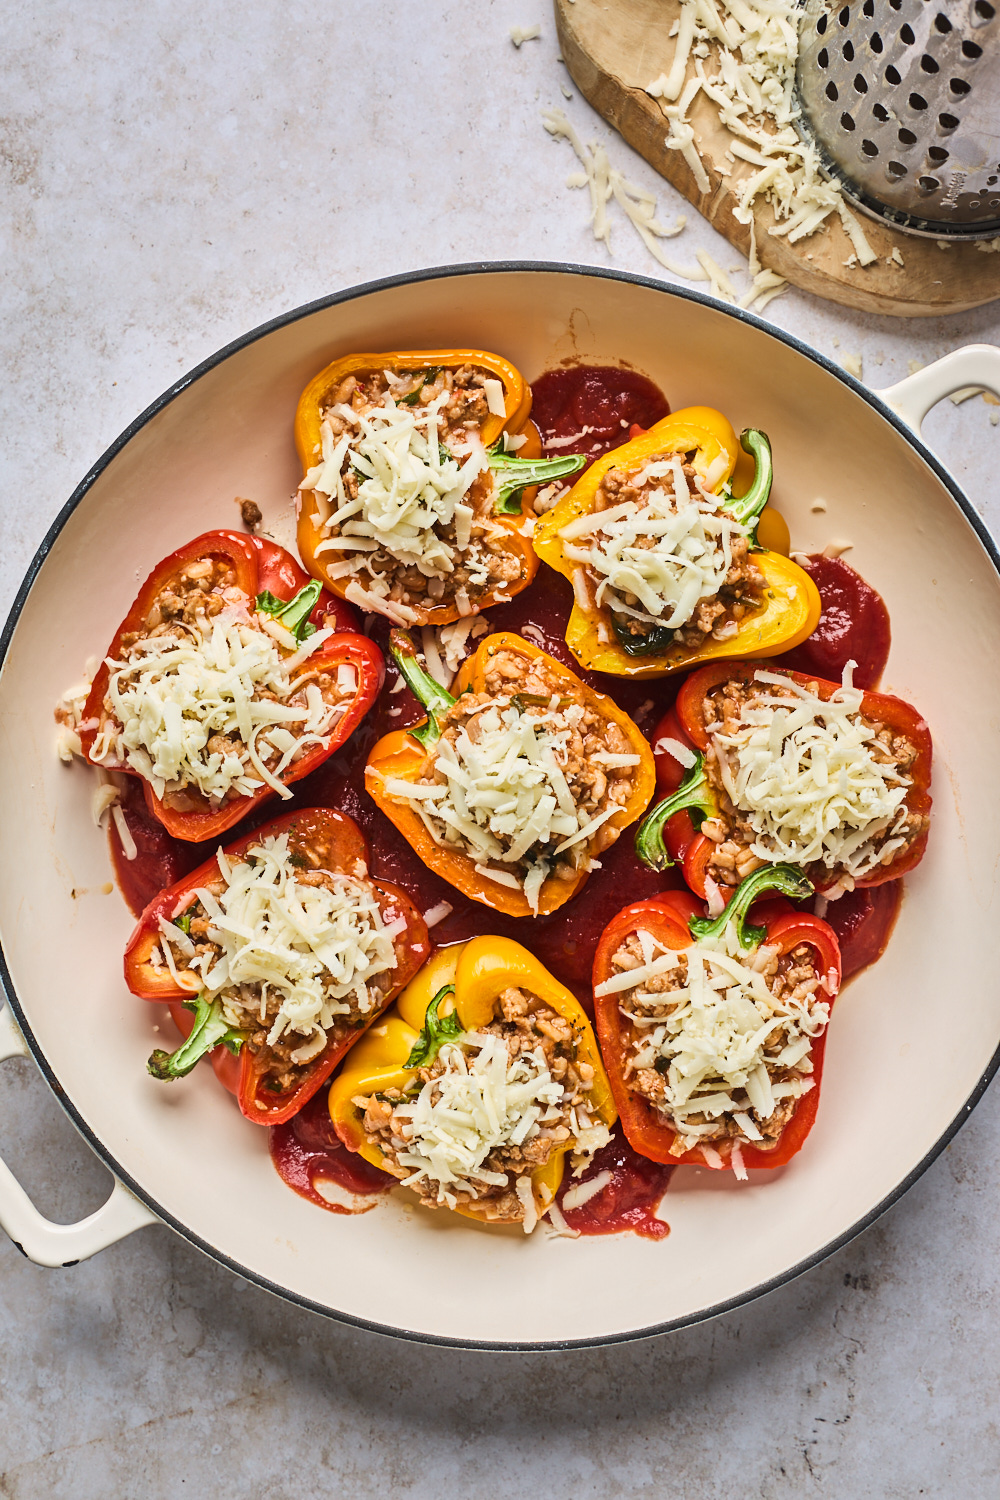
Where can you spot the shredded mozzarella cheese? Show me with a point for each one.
(803, 772)
(410, 487)
(318, 951)
(670, 552)
(171, 695)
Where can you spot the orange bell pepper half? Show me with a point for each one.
(790, 607)
(513, 478)
(407, 754)
(243, 1066)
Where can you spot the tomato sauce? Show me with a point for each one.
(854, 626)
(863, 921)
(630, 1199)
(306, 1150)
(590, 408)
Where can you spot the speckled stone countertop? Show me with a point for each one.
(172, 175)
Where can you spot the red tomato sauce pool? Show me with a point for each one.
(306, 1151)
(854, 625)
(590, 408)
(629, 1200)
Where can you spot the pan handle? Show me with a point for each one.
(36, 1237)
(977, 365)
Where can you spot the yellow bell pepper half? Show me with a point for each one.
(791, 607)
(480, 970)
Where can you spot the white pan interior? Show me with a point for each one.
(910, 1040)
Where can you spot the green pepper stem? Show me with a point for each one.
(209, 1030)
(512, 475)
(436, 699)
(748, 507)
(434, 1032)
(785, 879)
(694, 793)
(293, 614)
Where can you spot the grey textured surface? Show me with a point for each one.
(171, 176)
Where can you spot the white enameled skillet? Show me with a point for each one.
(899, 1080)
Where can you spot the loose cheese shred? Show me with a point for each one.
(315, 951)
(805, 773)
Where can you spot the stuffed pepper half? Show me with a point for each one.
(513, 787)
(713, 1032)
(668, 568)
(284, 950)
(218, 692)
(417, 466)
(775, 766)
(478, 1085)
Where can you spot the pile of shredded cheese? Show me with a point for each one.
(410, 487)
(745, 55)
(670, 553)
(724, 1038)
(803, 772)
(479, 1104)
(171, 695)
(505, 796)
(319, 952)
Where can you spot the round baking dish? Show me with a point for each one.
(914, 1041)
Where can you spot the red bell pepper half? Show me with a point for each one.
(274, 583)
(675, 920)
(243, 1066)
(669, 832)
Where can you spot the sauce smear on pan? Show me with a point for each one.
(306, 1150)
(854, 626)
(628, 1201)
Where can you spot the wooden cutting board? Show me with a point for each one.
(614, 47)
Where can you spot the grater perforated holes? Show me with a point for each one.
(929, 65)
(848, 51)
(971, 50)
(861, 83)
(823, 58)
(982, 12)
(942, 24)
(895, 170)
(928, 184)
(938, 154)
(869, 148)
(917, 101)
(868, 9)
(831, 92)
(959, 86)
(881, 113)
(948, 122)
(906, 137)
(821, 25)
(875, 42)
(845, 15)
(847, 121)
(896, 4)
(991, 180)
(891, 75)
(906, 35)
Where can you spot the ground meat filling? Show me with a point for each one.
(488, 1112)
(298, 956)
(521, 769)
(738, 847)
(665, 558)
(721, 1060)
(206, 664)
(404, 493)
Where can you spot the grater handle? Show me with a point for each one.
(976, 367)
(49, 1244)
